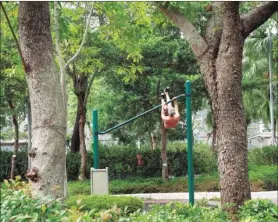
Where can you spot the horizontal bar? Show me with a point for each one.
(136, 117)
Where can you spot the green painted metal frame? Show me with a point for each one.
(188, 113)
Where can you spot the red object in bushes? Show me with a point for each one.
(140, 162)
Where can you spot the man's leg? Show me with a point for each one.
(170, 107)
(162, 95)
(176, 106)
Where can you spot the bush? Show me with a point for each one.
(259, 210)
(105, 202)
(21, 165)
(79, 187)
(73, 165)
(267, 175)
(181, 212)
(17, 204)
(270, 181)
(267, 155)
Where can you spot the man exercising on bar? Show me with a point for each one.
(169, 114)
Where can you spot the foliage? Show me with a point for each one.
(105, 202)
(73, 165)
(13, 82)
(18, 205)
(256, 68)
(267, 155)
(181, 212)
(122, 162)
(20, 166)
(258, 210)
(167, 61)
(270, 181)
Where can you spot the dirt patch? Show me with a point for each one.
(257, 186)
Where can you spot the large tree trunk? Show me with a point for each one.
(223, 78)
(48, 153)
(16, 138)
(229, 112)
(165, 174)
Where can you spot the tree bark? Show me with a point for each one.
(29, 130)
(48, 154)
(82, 147)
(153, 142)
(229, 112)
(220, 56)
(165, 174)
(81, 86)
(16, 138)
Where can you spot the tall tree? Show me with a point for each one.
(48, 154)
(219, 52)
(79, 70)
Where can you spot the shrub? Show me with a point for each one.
(73, 165)
(105, 202)
(79, 187)
(259, 210)
(181, 212)
(267, 175)
(20, 166)
(270, 181)
(17, 204)
(267, 155)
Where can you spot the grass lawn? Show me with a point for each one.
(262, 177)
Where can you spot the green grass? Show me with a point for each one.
(262, 177)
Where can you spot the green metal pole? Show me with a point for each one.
(95, 136)
(189, 142)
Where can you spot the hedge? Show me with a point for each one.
(122, 161)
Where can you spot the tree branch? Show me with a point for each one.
(15, 39)
(89, 88)
(258, 16)
(214, 28)
(196, 41)
(84, 38)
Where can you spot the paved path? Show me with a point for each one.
(183, 197)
